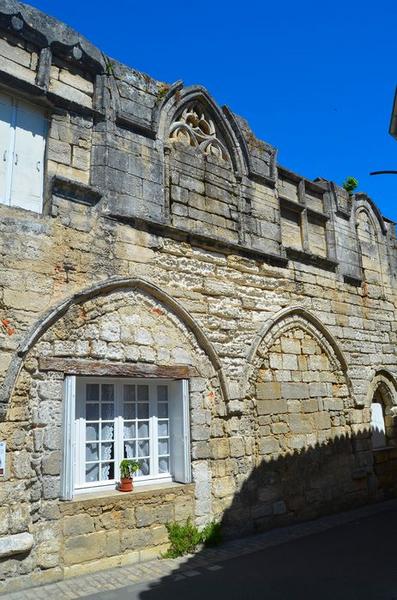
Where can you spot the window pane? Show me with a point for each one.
(162, 410)
(139, 420)
(129, 411)
(164, 465)
(163, 428)
(129, 430)
(92, 472)
(145, 468)
(143, 448)
(107, 471)
(107, 392)
(107, 431)
(143, 429)
(107, 451)
(143, 411)
(107, 411)
(91, 452)
(92, 412)
(163, 446)
(129, 393)
(129, 449)
(143, 393)
(92, 392)
(162, 393)
(91, 431)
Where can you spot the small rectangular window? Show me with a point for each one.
(147, 420)
(22, 145)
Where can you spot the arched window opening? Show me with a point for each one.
(378, 426)
(383, 417)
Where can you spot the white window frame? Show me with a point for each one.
(72, 477)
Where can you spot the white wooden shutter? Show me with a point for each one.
(7, 114)
(69, 412)
(28, 159)
(180, 431)
(378, 425)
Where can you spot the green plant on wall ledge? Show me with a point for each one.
(350, 184)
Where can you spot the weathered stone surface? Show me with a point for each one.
(266, 290)
(15, 544)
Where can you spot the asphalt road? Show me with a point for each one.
(356, 561)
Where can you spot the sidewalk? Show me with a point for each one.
(153, 571)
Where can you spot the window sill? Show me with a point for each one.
(138, 494)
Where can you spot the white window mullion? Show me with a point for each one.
(118, 430)
(153, 430)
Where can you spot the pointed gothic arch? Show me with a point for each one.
(104, 288)
(283, 321)
(193, 114)
(370, 232)
(382, 401)
(286, 318)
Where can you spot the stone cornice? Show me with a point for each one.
(46, 32)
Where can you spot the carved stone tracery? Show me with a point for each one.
(195, 128)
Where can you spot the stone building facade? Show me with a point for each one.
(170, 292)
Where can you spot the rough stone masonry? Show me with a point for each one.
(172, 242)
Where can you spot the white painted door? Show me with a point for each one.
(7, 130)
(378, 426)
(28, 159)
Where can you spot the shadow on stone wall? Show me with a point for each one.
(338, 475)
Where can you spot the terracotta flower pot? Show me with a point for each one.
(125, 485)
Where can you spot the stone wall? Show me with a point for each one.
(172, 238)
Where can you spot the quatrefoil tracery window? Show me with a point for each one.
(195, 128)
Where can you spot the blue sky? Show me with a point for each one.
(315, 79)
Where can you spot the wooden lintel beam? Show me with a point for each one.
(74, 366)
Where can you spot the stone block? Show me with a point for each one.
(77, 525)
(70, 93)
(291, 391)
(135, 539)
(271, 407)
(4, 510)
(219, 448)
(290, 361)
(309, 346)
(83, 548)
(298, 423)
(236, 446)
(322, 420)
(11, 545)
(113, 546)
(59, 152)
(290, 346)
(270, 390)
(268, 445)
(223, 486)
(319, 389)
(51, 463)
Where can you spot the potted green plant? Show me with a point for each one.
(128, 467)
